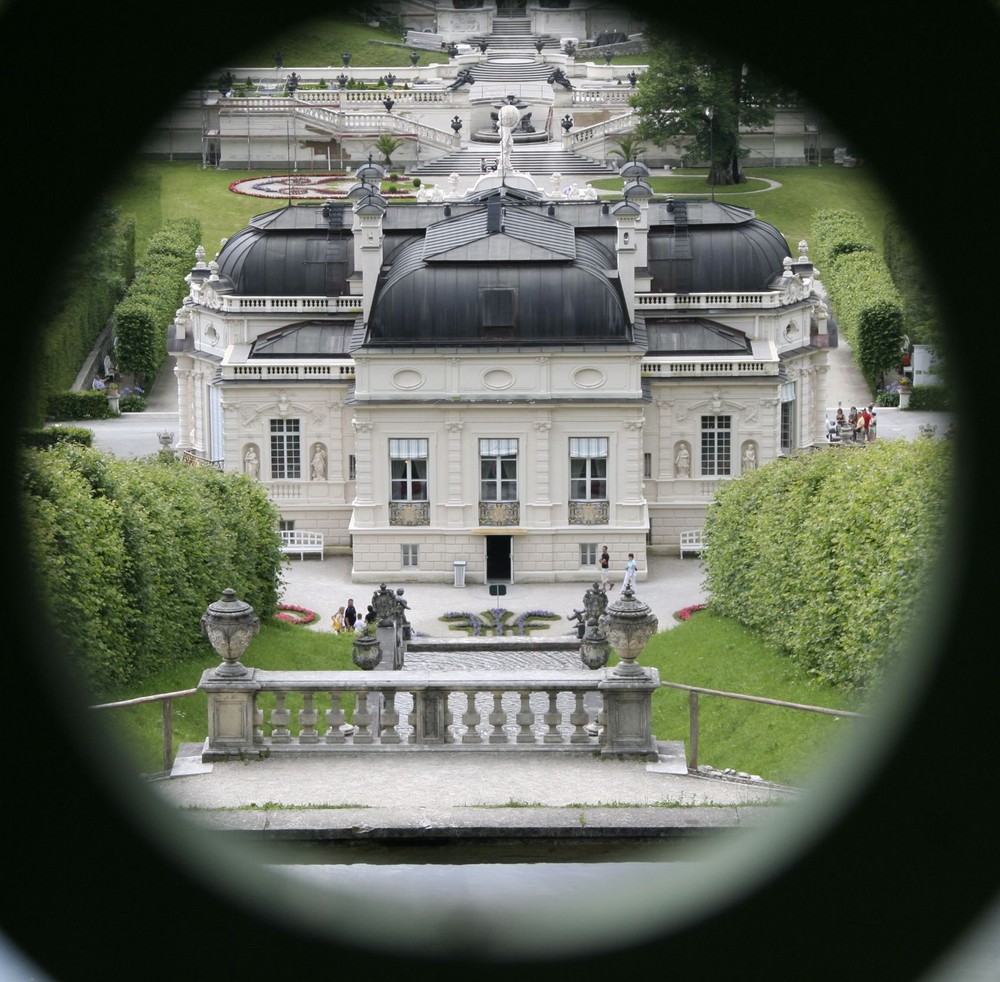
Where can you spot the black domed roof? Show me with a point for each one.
(700, 246)
(499, 274)
(296, 251)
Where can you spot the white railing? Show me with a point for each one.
(694, 367)
(291, 372)
(288, 305)
(310, 712)
(766, 299)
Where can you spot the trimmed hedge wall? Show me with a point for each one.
(98, 275)
(868, 307)
(131, 552)
(144, 316)
(828, 555)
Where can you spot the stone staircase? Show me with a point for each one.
(513, 34)
(539, 161)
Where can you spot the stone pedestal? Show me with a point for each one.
(628, 709)
(230, 715)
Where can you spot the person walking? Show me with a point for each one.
(605, 569)
(350, 615)
(628, 583)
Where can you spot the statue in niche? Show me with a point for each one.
(749, 462)
(251, 463)
(682, 461)
(318, 463)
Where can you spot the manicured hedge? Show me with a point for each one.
(96, 277)
(144, 316)
(51, 435)
(867, 305)
(131, 552)
(85, 404)
(828, 554)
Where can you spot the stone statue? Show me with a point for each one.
(251, 463)
(749, 458)
(682, 462)
(318, 463)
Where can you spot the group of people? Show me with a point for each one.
(630, 570)
(860, 423)
(347, 617)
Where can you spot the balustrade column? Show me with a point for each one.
(525, 718)
(498, 718)
(471, 719)
(335, 718)
(281, 716)
(308, 716)
(390, 718)
(552, 719)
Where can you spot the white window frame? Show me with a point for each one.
(588, 468)
(286, 449)
(408, 469)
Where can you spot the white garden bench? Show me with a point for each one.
(693, 541)
(302, 543)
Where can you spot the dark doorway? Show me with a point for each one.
(498, 558)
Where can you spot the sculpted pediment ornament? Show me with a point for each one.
(717, 403)
(209, 298)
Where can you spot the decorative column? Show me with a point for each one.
(542, 477)
(230, 625)
(454, 505)
(628, 688)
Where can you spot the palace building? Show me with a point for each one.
(508, 378)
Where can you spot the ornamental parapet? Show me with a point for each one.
(379, 711)
(762, 299)
(286, 305)
(290, 372)
(702, 367)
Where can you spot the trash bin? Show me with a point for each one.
(459, 565)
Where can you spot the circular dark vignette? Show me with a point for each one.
(897, 871)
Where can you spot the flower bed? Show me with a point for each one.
(684, 614)
(294, 614)
(496, 621)
(312, 186)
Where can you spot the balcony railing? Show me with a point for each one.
(310, 712)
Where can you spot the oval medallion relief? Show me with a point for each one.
(498, 378)
(407, 378)
(589, 378)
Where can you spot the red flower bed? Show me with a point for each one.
(293, 614)
(684, 614)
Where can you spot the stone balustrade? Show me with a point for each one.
(264, 712)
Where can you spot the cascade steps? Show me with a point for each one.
(536, 161)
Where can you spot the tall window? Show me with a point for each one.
(498, 470)
(716, 446)
(352, 468)
(588, 468)
(410, 555)
(787, 394)
(408, 469)
(286, 450)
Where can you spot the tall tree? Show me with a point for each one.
(698, 98)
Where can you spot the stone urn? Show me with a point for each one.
(594, 650)
(366, 652)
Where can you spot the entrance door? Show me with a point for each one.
(498, 558)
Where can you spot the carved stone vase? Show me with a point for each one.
(366, 652)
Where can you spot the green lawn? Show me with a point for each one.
(789, 208)
(777, 743)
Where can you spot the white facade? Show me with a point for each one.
(520, 460)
